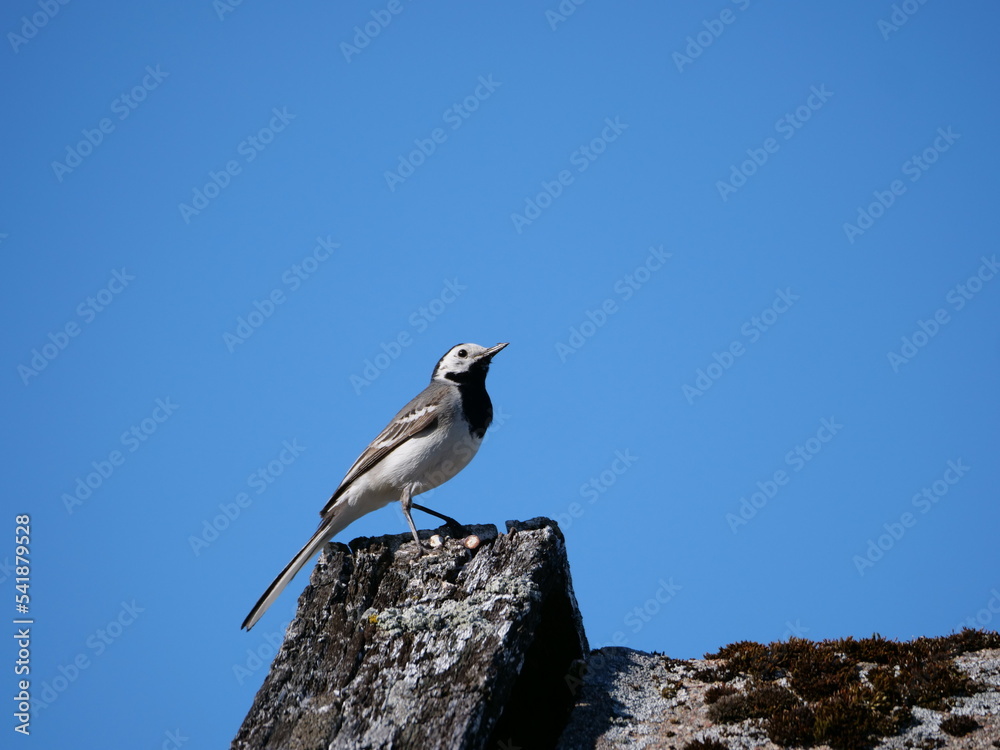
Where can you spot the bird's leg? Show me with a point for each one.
(447, 519)
(407, 502)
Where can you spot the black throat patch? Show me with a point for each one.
(476, 405)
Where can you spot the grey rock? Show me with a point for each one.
(482, 646)
(451, 648)
(631, 699)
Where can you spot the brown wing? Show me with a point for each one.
(404, 425)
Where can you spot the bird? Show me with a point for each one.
(427, 443)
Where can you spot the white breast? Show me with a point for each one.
(427, 461)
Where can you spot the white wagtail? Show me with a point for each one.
(428, 442)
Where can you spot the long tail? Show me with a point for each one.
(335, 521)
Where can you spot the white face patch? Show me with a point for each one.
(453, 363)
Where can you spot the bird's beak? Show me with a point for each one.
(488, 354)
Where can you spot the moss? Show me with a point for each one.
(758, 702)
(916, 682)
(878, 650)
(875, 650)
(670, 662)
(959, 726)
(828, 703)
(732, 650)
(718, 691)
(793, 726)
(819, 672)
(713, 674)
(964, 642)
(844, 724)
(669, 689)
(749, 657)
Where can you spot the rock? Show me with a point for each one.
(453, 647)
(478, 643)
(631, 699)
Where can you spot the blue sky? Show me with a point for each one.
(746, 258)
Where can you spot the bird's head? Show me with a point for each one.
(464, 362)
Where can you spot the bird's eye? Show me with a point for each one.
(462, 353)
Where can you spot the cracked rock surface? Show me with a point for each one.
(453, 647)
(477, 642)
(632, 699)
